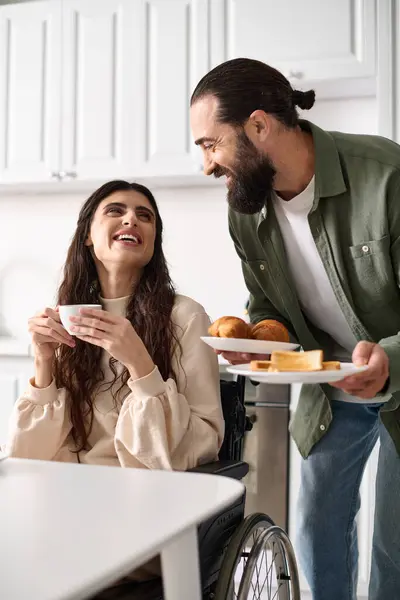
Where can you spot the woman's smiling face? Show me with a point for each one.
(123, 230)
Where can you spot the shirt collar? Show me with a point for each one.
(329, 179)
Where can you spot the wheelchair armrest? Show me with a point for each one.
(227, 468)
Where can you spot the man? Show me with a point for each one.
(315, 219)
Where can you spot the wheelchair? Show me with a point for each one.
(241, 558)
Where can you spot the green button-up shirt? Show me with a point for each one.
(355, 223)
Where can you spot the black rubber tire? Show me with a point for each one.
(233, 553)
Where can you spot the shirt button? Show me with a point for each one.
(262, 267)
(365, 248)
(322, 427)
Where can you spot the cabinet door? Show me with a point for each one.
(175, 55)
(30, 72)
(309, 40)
(100, 64)
(14, 376)
(9, 394)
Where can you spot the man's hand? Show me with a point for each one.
(240, 358)
(370, 382)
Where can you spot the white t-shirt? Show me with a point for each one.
(316, 296)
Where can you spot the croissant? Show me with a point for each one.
(230, 327)
(270, 330)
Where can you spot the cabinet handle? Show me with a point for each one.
(55, 175)
(69, 174)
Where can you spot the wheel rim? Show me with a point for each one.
(270, 571)
(259, 564)
(242, 564)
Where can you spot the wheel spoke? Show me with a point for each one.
(266, 573)
(276, 594)
(258, 570)
(261, 565)
(269, 575)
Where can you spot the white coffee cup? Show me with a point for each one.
(73, 310)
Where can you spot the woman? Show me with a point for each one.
(135, 386)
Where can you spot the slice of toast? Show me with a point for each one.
(260, 365)
(297, 361)
(331, 365)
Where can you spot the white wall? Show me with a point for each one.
(352, 115)
(35, 232)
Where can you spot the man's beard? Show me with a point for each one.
(251, 180)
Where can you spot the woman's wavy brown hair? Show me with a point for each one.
(78, 370)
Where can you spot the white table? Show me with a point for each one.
(68, 531)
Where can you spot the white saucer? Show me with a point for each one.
(246, 346)
(297, 377)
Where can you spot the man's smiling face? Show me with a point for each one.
(228, 152)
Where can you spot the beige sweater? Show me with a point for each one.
(158, 425)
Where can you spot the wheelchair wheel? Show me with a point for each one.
(259, 563)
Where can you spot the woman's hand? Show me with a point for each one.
(117, 336)
(47, 334)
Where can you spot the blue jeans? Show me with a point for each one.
(330, 499)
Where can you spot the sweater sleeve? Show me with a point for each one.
(39, 424)
(163, 427)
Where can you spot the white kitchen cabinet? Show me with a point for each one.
(365, 518)
(308, 41)
(9, 391)
(30, 91)
(173, 56)
(14, 376)
(128, 69)
(97, 89)
(100, 70)
(388, 26)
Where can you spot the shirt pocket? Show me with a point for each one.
(371, 275)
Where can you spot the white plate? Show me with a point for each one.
(297, 377)
(246, 346)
